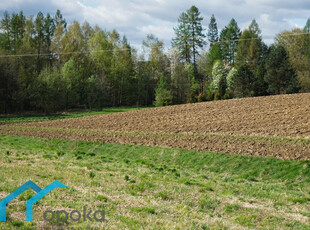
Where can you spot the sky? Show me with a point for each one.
(137, 18)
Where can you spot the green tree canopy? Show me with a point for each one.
(163, 95)
(243, 80)
(250, 46)
(229, 41)
(189, 35)
(213, 34)
(281, 78)
(219, 82)
(181, 41)
(297, 49)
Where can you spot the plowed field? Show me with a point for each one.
(277, 126)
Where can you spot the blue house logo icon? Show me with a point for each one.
(29, 203)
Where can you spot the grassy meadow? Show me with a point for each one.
(142, 187)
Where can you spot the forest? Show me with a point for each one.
(49, 65)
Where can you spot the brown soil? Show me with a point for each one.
(277, 126)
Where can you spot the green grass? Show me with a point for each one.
(155, 188)
(76, 114)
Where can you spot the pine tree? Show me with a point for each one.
(58, 19)
(189, 35)
(213, 31)
(39, 39)
(229, 41)
(281, 78)
(181, 41)
(49, 30)
(250, 47)
(196, 38)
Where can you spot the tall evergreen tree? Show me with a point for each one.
(197, 36)
(213, 31)
(189, 35)
(181, 41)
(250, 47)
(229, 41)
(49, 30)
(281, 78)
(39, 39)
(58, 19)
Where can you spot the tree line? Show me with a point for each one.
(47, 65)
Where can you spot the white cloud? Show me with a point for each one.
(164, 33)
(136, 18)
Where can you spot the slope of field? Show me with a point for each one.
(142, 187)
(14, 118)
(277, 126)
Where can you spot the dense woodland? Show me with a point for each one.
(47, 65)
